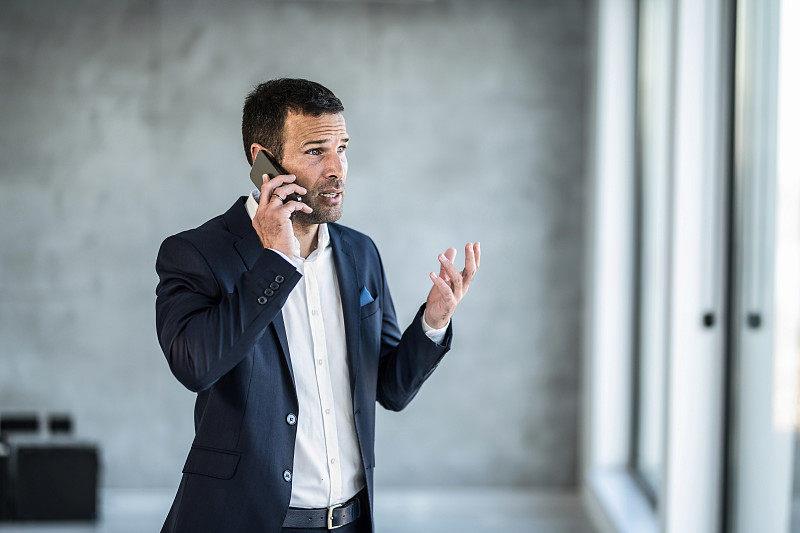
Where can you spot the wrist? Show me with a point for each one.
(433, 323)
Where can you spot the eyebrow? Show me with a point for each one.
(322, 141)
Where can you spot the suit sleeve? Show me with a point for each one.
(434, 334)
(406, 360)
(203, 331)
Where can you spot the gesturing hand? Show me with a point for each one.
(450, 286)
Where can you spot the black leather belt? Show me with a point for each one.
(331, 517)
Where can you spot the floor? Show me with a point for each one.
(396, 511)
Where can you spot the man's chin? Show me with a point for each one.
(318, 216)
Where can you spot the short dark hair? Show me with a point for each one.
(266, 106)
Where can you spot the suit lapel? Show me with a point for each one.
(347, 273)
(249, 248)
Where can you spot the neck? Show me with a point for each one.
(308, 235)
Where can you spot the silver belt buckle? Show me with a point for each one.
(330, 516)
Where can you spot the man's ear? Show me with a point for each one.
(254, 149)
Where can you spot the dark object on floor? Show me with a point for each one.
(18, 423)
(5, 489)
(46, 475)
(59, 423)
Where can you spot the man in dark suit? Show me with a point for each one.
(281, 321)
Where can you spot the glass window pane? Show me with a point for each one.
(654, 107)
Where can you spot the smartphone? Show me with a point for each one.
(266, 164)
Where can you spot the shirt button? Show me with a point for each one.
(273, 285)
(314, 312)
(268, 292)
(279, 278)
(262, 300)
(319, 361)
(287, 475)
(327, 411)
(333, 460)
(291, 419)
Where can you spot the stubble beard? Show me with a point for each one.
(321, 213)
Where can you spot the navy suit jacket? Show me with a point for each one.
(219, 324)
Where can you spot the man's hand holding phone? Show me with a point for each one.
(272, 220)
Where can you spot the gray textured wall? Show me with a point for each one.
(121, 125)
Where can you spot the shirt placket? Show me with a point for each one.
(324, 386)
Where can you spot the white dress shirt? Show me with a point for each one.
(327, 464)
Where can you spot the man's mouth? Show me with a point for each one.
(331, 194)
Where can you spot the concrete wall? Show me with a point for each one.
(121, 125)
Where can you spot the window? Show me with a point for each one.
(651, 315)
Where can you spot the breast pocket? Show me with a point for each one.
(370, 308)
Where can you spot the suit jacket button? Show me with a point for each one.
(291, 419)
(273, 285)
(279, 278)
(287, 475)
(262, 300)
(268, 292)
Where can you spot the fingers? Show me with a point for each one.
(450, 254)
(470, 264)
(269, 185)
(292, 205)
(459, 282)
(289, 188)
(455, 276)
(443, 286)
(469, 261)
(278, 188)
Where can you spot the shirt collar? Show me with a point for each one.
(323, 236)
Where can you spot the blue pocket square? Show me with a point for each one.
(365, 297)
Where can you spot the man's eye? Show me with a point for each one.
(342, 148)
(314, 151)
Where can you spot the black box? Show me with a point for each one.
(18, 422)
(5, 486)
(52, 478)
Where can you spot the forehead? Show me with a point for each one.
(301, 127)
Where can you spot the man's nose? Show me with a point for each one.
(333, 166)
